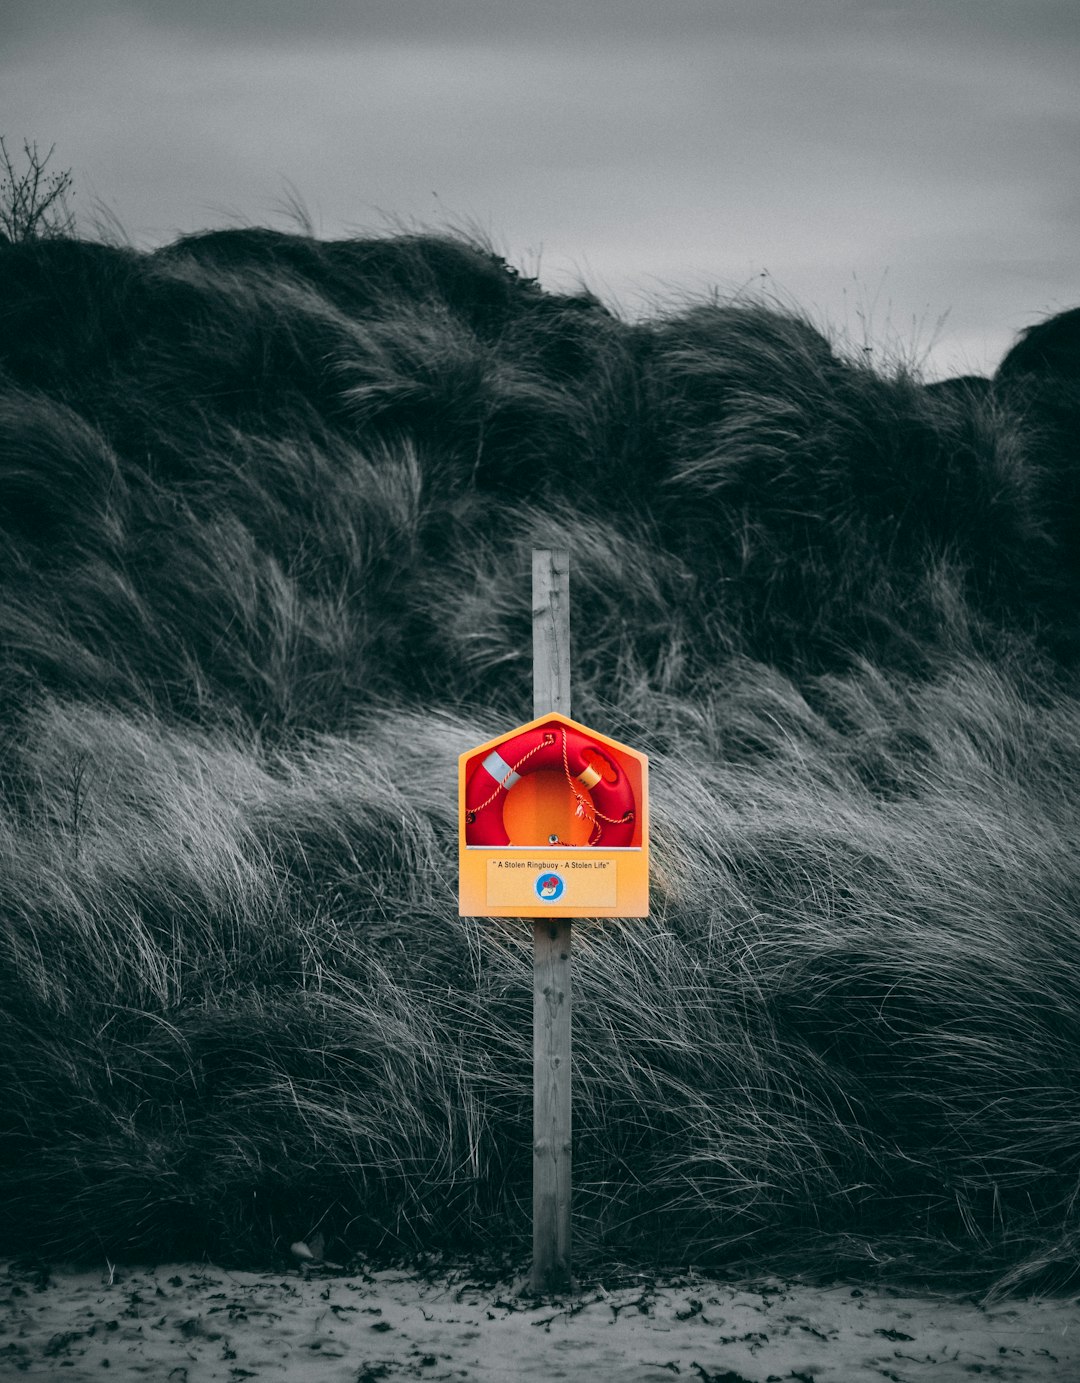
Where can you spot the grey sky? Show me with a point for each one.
(878, 164)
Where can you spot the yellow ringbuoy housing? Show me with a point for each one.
(553, 821)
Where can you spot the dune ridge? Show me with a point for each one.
(267, 506)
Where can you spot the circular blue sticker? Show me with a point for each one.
(550, 888)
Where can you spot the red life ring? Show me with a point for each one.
(607, 801)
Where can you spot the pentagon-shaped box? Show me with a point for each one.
(553, 821)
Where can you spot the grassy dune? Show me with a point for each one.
(266, 506)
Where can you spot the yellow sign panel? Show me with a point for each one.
(580, 884)
(553, 821)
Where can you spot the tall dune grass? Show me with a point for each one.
(266, 513)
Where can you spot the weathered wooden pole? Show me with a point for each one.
(551, 960)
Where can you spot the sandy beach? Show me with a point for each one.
(189, 1323)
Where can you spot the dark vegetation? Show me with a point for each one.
(266, 507)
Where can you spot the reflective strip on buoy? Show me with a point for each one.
(500, 770)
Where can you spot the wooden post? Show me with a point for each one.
(551, 631)
(551, 960)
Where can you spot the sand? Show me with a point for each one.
(184, 1323)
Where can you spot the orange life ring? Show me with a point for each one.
(605, 797)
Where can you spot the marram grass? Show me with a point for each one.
(266, 508)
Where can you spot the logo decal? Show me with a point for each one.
(550, 888)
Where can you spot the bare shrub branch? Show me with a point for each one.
(34, 201)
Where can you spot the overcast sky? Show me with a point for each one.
(881, 165)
